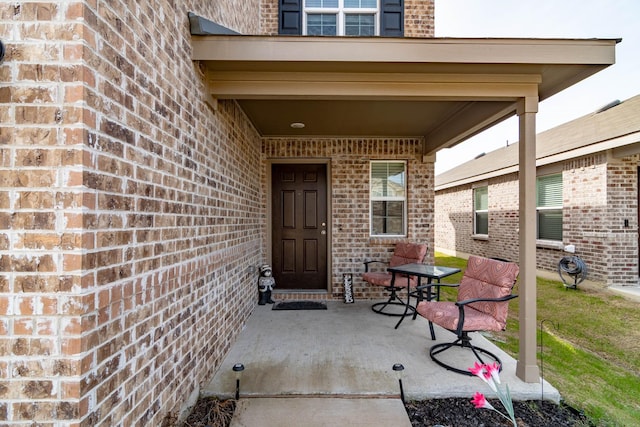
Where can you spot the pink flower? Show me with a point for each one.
(494, 371)
(490, 375)
(479, 401)
(485, 373)
(477, 369)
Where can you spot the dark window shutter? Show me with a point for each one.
(392, 18)
(290, 21)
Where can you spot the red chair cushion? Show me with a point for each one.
(408, 253)
(384, 279)
(483, 278)
(488, 278)
(404, 253)
(446, 314)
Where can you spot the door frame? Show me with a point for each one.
(269, 241)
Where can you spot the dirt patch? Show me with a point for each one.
(211, 412)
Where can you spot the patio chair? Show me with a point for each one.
(404, 253)
(482, 305)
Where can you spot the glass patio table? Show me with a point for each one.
(430, 272)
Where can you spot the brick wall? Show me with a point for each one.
(622, 203)
(504, 217)
(349, 166)
(586, 223)
(130, 212)
(269, 17)
(454, 220)
(419, 17)
(599, 193)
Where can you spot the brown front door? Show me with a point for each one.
(299, 225)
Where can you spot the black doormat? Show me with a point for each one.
(299, 305)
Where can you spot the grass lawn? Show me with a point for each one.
(591, 346)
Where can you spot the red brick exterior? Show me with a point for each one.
(419, 18)
(599, 193)
(129, 239)
(133, 215)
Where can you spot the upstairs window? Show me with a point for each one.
(549, 207)
(481, 210)
(388, 189)
(341, 17)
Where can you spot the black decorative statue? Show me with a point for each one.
(266, 282)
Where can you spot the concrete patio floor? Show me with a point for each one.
(346, 353)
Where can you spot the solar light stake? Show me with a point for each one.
(398, 369)
(238, 368)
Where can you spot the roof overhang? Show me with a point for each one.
(613, 129)
(440, 89)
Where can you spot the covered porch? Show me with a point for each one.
(347, 353)
(442, 91)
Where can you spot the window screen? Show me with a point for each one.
(321, 24)
(481, 210)
(388, 198)
(341, 17)
(549, 207)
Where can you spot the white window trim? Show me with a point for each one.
(341, 11)
(549, 244)
(541, 242)
(392, 199)
(475, 211)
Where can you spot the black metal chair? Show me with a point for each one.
(404, 253)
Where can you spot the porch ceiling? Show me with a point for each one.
(445, 90)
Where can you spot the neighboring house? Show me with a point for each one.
(152, 159)
(587, 197)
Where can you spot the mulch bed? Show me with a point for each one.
(461, 412)
(455, 412)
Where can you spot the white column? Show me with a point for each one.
(527, 367)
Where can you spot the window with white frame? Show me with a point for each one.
(388, 189)
(481, 210)
(549, 207)
(341, 17)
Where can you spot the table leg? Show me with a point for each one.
(415, 313)
(433, 334)
(406, 307)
